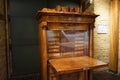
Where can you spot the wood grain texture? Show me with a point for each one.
(3, 65)
(74, 64)
(114, 35)
(43, 50)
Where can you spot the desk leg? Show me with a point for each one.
(90, 76)
(81, 77)
(84, 75)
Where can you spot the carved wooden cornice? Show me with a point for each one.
(64, 11)
(65, 15)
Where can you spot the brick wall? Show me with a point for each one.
(102, 41)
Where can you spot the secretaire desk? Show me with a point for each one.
(75, 68)
(65, 41)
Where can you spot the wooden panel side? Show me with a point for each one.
(114, 35)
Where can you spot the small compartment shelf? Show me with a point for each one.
(67, 43)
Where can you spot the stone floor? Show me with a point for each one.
(97, 75)
(105, 75)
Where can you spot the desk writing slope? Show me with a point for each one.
(75, 64)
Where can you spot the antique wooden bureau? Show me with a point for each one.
(66, 44)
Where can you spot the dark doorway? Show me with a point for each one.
(24, 35)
